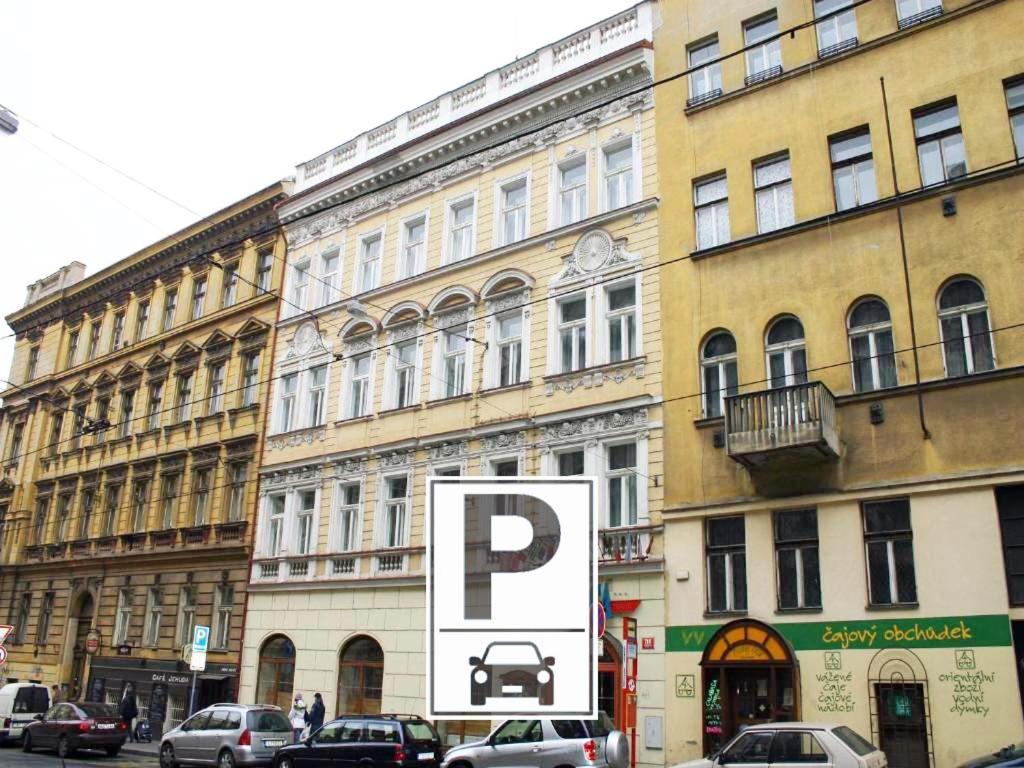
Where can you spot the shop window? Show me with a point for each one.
(361, 676)
(1010, 503)
(726, 564)
(796, 553)
(889, 544)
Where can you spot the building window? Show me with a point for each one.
(117, 340)
(773, 191)
(359, 400)
(967, 345)
(299, 288)
(111, 503)
(102, 414)
(1015, 107)
(618, 176)
(786, 353)
(912, 12)
(63, 517)
(711, 202)
(414, 247)
(170, 489)
(347, 521)
(276, 673)
(140, 497)
(153, 411)
(329, 263)
(718, 373)
(215, 388)
(940, 143)
(286, 402)
(198, 296)
(186, 615)
(17, 437)
(95, 327)
(141, 320)
(39, 522)
(154, 612)
(33, 363)
(223, 609)
(316, 395)
(572, 463)
(229, 286)
(513, 200)
(275, 527)
(764, 51)
(304, 522)
(572, 191)
(572, 333)
(72, 353)
(705, 82)
(238, 473)
(622, 499)
(505, 468)
(201, 496)
(796, 557)
(1010, 504)
(123, 617)
(396, 491)
(250, 378)
(45, 617)
(183, 400)
(839, 31)
(461, 218)
(56, 428)
(510, 348)
(871, 346)
(77, 425)
(24, 611)
(853, 169)
(889, 543)
(727, 564)
(620, 317)
(170, 305)
(124, 429)
(369, 263)
(264, 270)
(454, 355)
(404, 357)
(85, 513)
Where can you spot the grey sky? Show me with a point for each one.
(209, 101)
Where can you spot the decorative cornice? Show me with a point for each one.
(299, 437)
(595, 425)
(595, 377)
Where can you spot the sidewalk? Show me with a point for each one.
(150, 749)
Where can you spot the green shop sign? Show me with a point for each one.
(943, 632)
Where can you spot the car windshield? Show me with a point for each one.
(92, 709)
(268, 721)
(854, 740)
(419, 730)
(33, 699)
(511, 653)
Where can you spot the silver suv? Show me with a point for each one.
(227, 735)
(545, 744)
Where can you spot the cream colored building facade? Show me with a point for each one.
(472, 291)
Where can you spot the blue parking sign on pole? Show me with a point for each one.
(200, 638)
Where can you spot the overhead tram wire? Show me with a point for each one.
(505, 139)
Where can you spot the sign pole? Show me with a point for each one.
(192, 696)
(197, 661)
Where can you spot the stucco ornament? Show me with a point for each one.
(592, 250)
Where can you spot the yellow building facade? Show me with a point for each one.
(471, 291)
(841, 303)
(131, 434)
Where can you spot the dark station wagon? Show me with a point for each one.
(381, 741)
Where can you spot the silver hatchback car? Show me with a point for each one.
(545, 744)
(227, 736)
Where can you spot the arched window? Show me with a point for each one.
(360, 676)
(963, 319)
(276, 675)
(718, 372)
(786, 353)
(871, 347)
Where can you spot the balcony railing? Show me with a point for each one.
(799, 419)
(390, 563)
(298, 568)
(625, 545)
(919, 18)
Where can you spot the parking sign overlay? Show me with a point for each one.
(511, 597)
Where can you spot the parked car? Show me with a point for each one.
(1009, 756)
(382, 741)
(545, 744)
(19, 705)
(227, 735)
(70, 726)
(812, 745)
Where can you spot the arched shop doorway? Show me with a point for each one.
(360, 676)
(276, 673)
(609, 682)
(750, 677)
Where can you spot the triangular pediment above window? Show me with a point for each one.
(217, 340)
(81, 387)
(156, 362)
(251, 328)
(105, 379)
(186, 351)
(595, 253)
(128, 371)
(58, 394)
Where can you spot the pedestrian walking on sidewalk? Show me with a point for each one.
(129, 710)
(315, 716)
(298, 716)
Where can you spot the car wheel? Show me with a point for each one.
(285, 763)
(112, 751)
(225, 759)
(64, 749)
(167, 757)
(26, 741)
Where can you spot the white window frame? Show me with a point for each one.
(281, 422)
(401, 267)
(201, 501)
(709, 77)
(393, 368)
(492, 367)
(183, 407)
(439, 380)
(720, 363)
(775, 188)
(470, 201)
(962, 312)
(357, 273)
(271, 545)
(122, 617)
(298, 291)
(614, 145)
(870, 332)
(310, 394)
(154, 616)
(610, 474)
(920, 6)
(717, 209)
(197, 307)
(835, 23)
(580, 192)
(381, 536)
(297, 512)
(770, 49)
(229, 285)
(573, 327)
(154, 411)
(786, 349)
(602, 330)
(500, 188)
(329, 282)
(339, 508)
(223, 615)
(216, 377)
(348, 382)
(187, 614)
(250, 389)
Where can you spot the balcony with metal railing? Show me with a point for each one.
(628, 546)
(794, 422)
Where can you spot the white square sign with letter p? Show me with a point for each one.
(511, 597)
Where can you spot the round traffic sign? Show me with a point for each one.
(631, 684)
(3, 654)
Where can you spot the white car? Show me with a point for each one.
(808, 745)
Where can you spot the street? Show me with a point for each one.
(14, 757)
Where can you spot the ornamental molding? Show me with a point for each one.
(350, 467)
(292, 475)
(395, 459)
(595, 252)
(595, 425)
(503, 441)
(598, 378)
(407, 331)
(292, 439)
(304, 230)
(511, 300)
(358, 346)
(449, 450)
(459, 316)
(306, 342)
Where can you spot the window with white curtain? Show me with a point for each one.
(412, 258)
(967, 345)
(786, 353)
(369, 262)
(223, 610)
(618, 176)
(718, 372)
(453, 355)
(300, 287)
(187, 599)
(304, 512)
(711, 203)
(622, 481)
(838, 31)
(286, 402)
(359, 389)
(853, 169)
(215, 387)
(914, 11)
(154, 612)
(773, 192)
(940, 143)
(461, 216)
(275, 524)
(395, 503)
(123, 616)
(404, 382)
(572, 333)
(572, 191)
(513, 198)
(708, 79)
(620, 316)
(871, 346)
(764, 50)
(347, 516)
(316, 395)
(510, 348)
(229, 285)
(330, 262)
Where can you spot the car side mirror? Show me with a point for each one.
(475, 661)
(549, 660)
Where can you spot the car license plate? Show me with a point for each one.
(425, 756)
(273, 743)
(105, 726)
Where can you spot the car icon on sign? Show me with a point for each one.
(512, 670)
